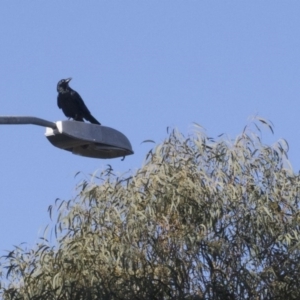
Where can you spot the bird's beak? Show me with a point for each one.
(68, 79)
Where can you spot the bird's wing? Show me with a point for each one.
(76, 97)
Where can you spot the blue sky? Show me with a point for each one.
(140, 66)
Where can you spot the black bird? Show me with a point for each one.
(72, 104)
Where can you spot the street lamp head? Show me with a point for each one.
(90, 140)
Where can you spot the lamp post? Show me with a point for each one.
(85, 139)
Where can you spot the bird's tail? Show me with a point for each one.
(92, 119)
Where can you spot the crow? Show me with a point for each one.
(72, 104)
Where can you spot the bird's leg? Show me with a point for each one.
(78, 118)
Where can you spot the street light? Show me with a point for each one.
(85, 139)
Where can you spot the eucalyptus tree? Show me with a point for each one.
(201, 219)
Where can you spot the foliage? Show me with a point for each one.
(201, 219)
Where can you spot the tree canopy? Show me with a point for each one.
(201, 219)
